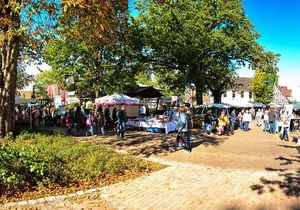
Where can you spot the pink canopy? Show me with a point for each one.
(117, 99)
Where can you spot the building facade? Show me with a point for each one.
(241, 95)
(282, 95)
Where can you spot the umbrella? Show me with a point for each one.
(20, 100)
(258, 105)
(219, 106)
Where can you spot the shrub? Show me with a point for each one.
(36, 159)
(9, 136)
(25, 135)
(19, 167)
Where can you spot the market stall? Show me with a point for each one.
(116, 100)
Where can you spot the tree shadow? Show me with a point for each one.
(288, 181)
(147, 144)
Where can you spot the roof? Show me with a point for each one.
(144, 92)
(285, 91)
(243, 84)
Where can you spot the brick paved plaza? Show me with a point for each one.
(253, 170)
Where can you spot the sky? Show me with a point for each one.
(278, 23)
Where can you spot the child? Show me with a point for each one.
(90, 124)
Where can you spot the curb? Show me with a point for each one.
(49, 199)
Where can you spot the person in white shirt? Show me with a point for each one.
(142, 111)
(258, 117)
(266, 121)
(247, 118)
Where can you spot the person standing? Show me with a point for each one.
(232, 121)
(266, 121)
(142, 111)
(90, 123)
(183, 127)
(207, 122)
(272, 118)
(79, 119)
(122, 119)
(69, 120)
(258, 117)
(277, 120)
(240, 118)
(222, 123)
(286, 126)
(247, 119)
(100, 121)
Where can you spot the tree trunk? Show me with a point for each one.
(9, 58)
(217, 96)
(9, 52)
(199, 94)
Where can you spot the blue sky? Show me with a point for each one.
(278, 23)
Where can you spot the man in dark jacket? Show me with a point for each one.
(208, 122)
(272, 118)
(122, 119)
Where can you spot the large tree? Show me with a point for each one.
(21, 33)
(266, 76)
(27, 25)
(192, 36)
(91, 41)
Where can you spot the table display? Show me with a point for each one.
(168, 126)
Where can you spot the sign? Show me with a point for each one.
(288, 110)
(52, 90)
(63, 94)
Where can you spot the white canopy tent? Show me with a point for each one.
(116, 100)
(20, 100)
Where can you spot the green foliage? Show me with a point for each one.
(25, 135)
(203, 40)
(72, 105)
(266, 77)
(19, 167)
(9, 136)
(36, 159)
(44, 79)
(23, 78)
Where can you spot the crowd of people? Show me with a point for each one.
(273, 120)
(98, 120)
(78, 118)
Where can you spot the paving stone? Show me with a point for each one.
(32, 202)
(80, 193)
(41, 200)
(22, 203)
(90, 191)
(50, 198)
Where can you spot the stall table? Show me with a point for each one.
(144, 123)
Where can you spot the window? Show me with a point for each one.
(250, 94)
(233, 94)
(225, 95)
(242, 94)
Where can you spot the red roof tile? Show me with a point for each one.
(286, 92)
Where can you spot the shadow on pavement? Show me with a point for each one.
(287, 181)
(147, 144)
